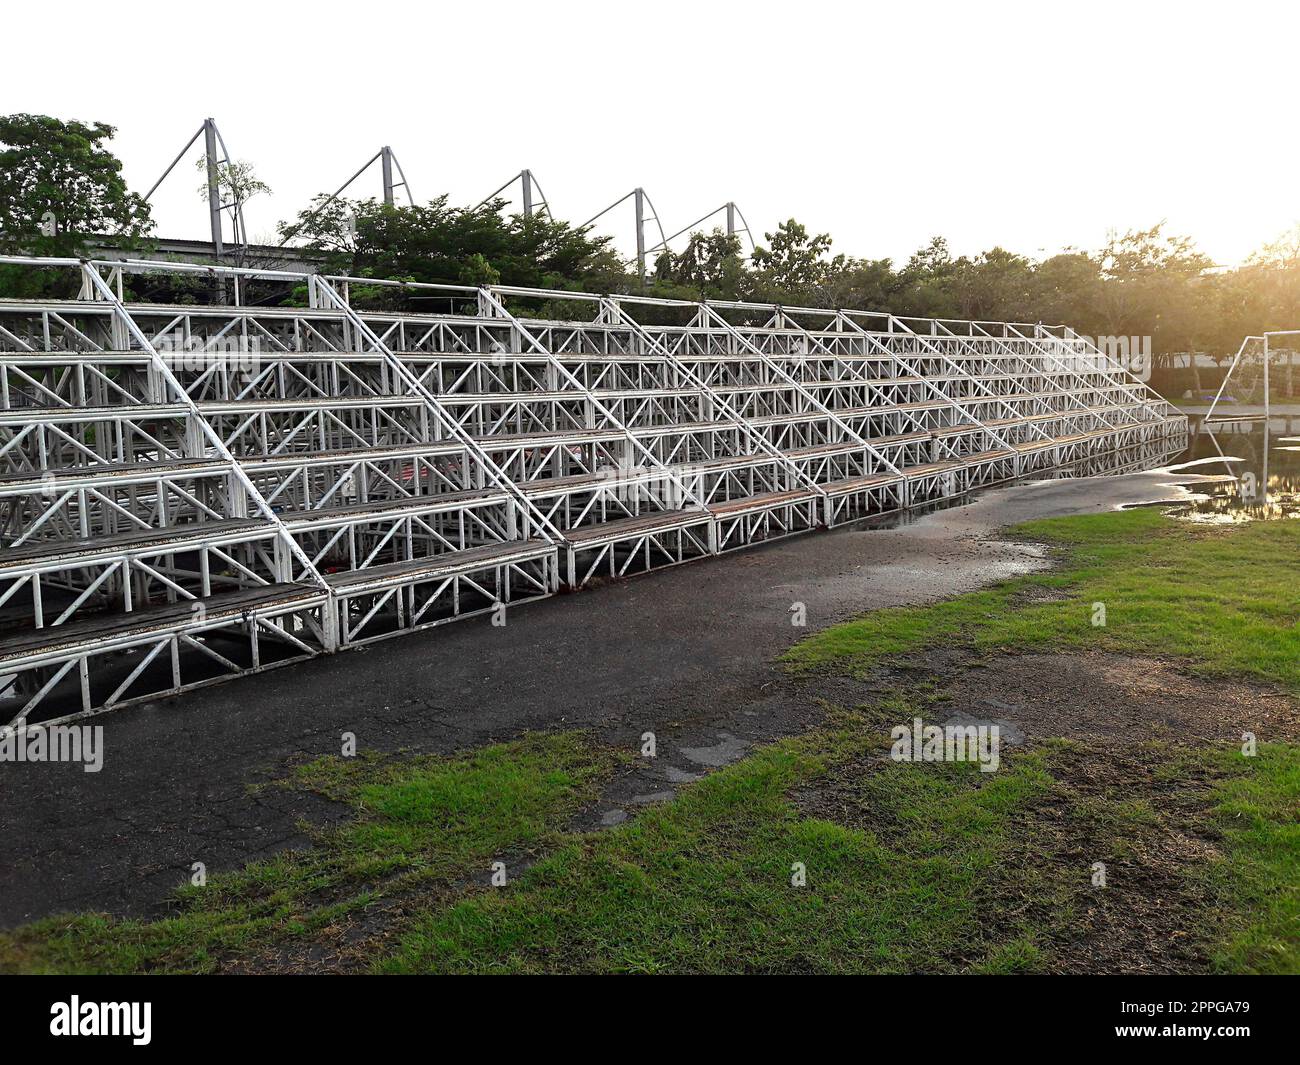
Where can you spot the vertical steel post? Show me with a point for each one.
(1268, 425)
(731, 219)
(639, 196)
(386, 155)
(214, 183)
(1267, 408)
(526, 180)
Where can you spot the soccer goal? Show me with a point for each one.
(1249, 375)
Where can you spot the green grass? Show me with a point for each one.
(427, 821)
(1258, 879)
(925, 868)
(1223, 599)
(703, 884)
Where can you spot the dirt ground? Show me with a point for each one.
(1116, 699)
(686, 653)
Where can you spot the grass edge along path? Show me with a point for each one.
(1133, 582)
(424, 821)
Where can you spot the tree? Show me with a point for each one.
(926, 282)
(60, 185)
(864, 285)
(1265, 295)
(794, 266)
(237, 182)
(1270, 285)
(1142, 268)
(996, 284)
(1066, 290)
(1156, 285)
(326, 225)
(709, 267)
(437, 243)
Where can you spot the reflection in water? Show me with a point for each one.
(1260, 477)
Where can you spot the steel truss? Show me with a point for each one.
(191, 492)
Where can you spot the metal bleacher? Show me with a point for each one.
(191, 491)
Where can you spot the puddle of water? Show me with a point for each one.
(1258, 480)
(1176, 501)
(1130, 461)
(1216, 461)
(655, 796)
(680, 776)
(724, 752)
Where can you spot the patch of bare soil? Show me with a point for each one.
(1149, 831)
(1149, 834)
(348, 944)
(354, 938)
(1111, 697)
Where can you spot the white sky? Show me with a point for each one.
(1035, 126)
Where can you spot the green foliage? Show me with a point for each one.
(1257, 874)
(923, 868)
(236, 181)
(709, 267)
(59, 184)
(440, 244)
(703, 884)
(794, 267)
